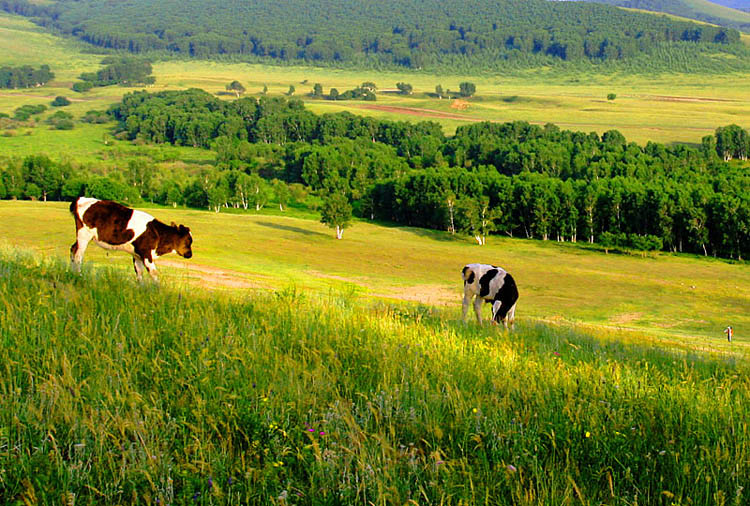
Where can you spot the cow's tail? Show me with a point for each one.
(467, 275)
(74, 212)
(74, 207)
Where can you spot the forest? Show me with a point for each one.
(515, 179)
(409, 33)
(25, 77)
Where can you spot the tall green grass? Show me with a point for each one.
(114, 392)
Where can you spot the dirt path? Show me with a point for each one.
(213, 277)
(672, 98)
(418, 111)
(49, 97)
(432, 113)
(216, 278)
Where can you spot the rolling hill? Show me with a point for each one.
(742, 5)
(701, 10)
(409, 33)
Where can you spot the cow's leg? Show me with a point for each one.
(78, 249)
(467, 301)
(511, 318)
(503, 313)
(151, 268)
(478, 301)
(139, 267)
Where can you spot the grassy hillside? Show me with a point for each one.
(734, 4)
(702, 10)
(425, 34)
(677, 299)
(115, 393)
(663, 107)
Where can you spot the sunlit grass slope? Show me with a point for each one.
(676, 298)
(114, 393)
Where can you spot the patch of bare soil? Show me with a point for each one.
(459, 104)
(625, 318)
(430, 295)
(213, 277)
(673, 98)
(50, 97)
(416, 111)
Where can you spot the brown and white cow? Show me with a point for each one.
(116, 227)
(487, 283)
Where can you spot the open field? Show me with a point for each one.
(663, 108)
(281, 366)
(680, 300)
(115, 393)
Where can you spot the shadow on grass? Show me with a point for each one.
(288, 228)
(435, 235)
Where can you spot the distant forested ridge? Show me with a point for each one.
(25, 77)
(411, 33)
(703, 10)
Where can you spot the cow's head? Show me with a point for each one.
(497, 317)
(184, 242)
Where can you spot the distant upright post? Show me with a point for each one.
(729, 332)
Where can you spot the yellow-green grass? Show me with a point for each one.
(662, 108)
(90, 144)
(115, 393)
(677, 299)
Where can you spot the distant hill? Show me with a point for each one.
(741, 5)
(725, 14)
(411, 33)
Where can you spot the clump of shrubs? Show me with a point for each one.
(24, 112)
(82, 86)
(60, 101)
(61, 120)
(96, 117)
(630, 242)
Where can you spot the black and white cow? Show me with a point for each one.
(116, 227)
(493, 285)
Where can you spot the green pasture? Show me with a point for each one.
(678, 299)
(115, 393)
(662, 108)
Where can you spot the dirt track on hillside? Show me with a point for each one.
(216, 278)
(418, 111)
(432, 113)
(213, 277)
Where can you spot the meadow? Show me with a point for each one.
(679, 300)
(117, 393)
(667, 107)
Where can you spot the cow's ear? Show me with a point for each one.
(174, 224)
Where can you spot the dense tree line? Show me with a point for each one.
(515, 178)
(25, 77)
(404, 32)
(124, 71)
(541, 181)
